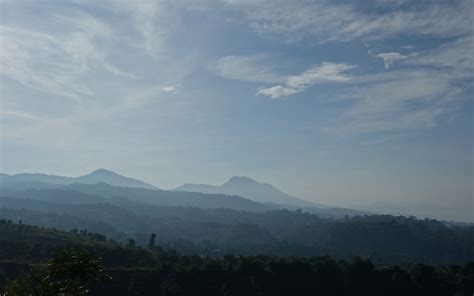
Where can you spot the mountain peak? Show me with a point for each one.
(251, 189)
(112, 178)
(102, 171)
(241, 180)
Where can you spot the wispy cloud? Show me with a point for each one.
(389, 58)
(329, 22)
(323, 73)
(455, 56)
(56, 63)
(429, 86)
(253, 68)
(31, 58)
(416, 96)
(147, 15)
(406, 101)
(64, 130)
(19, 114)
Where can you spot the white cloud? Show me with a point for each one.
(254, 68)
(392, 2)
(278, 91)
(172, 88)
(323, 73)
(389, 58)
(326, 72)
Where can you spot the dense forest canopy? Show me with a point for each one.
(83, 262)
(192, 230)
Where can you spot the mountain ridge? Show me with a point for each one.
(251, 189)
(96, 176)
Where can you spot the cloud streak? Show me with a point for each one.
(56, 63)
(253, 68)
(329, 22)
(324, 73)
(398, 103)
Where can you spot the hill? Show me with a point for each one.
(169, 198)
(30, 255)
(191, 230)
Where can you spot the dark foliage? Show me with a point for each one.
(216, 232)
(154, 271)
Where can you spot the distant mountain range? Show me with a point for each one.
(251, 189)
(239, 193)
(100, 175)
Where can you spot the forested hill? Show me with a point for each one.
(217, 232)
(217, 225)
(133, 270)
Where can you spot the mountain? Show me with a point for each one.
(111, 178)
(35, 178)
(251, 189)
(239, 193)
(41, 181)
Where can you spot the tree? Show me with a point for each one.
(70, 272)
(151, 243)
(131, 242)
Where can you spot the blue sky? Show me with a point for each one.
(347, 103)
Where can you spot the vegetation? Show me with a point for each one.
(69, 272)
(217, 232)
(47, 264)
(69, 241)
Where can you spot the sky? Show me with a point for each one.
(363, 104)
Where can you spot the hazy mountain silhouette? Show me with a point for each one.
(169, 198)
(100, 175)
(239, 193)
(251, 189)
(111, 178)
